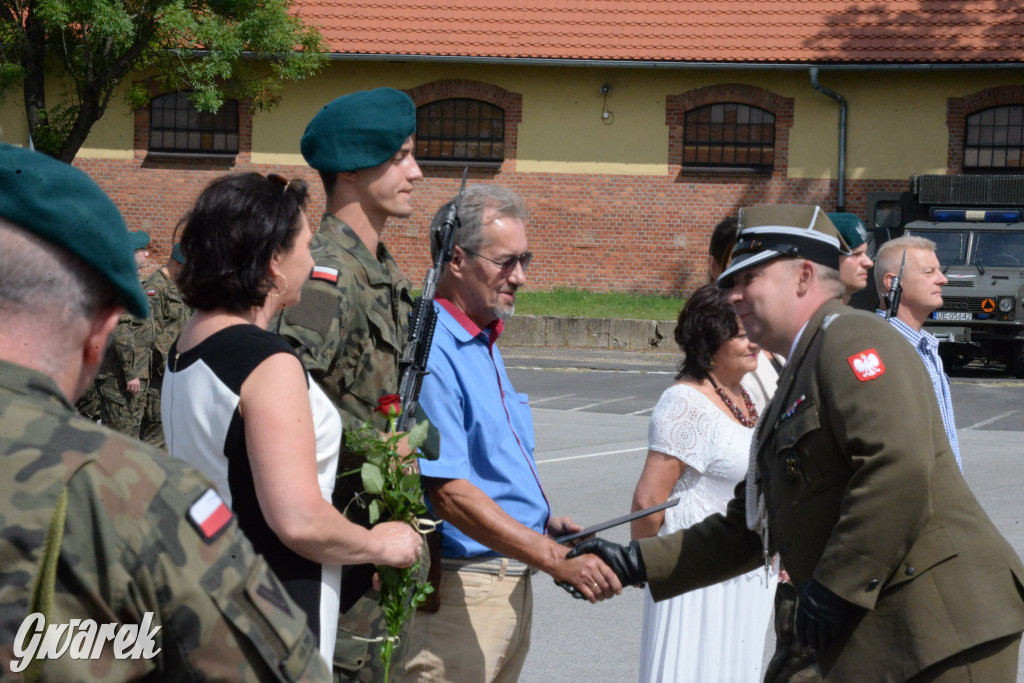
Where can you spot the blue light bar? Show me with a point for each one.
(976, 215)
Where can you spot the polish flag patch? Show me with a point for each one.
(325, 273)
(867, 365)
(150, 292)
(210, 515)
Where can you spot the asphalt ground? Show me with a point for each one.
(591, 410)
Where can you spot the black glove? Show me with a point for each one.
(820, 615)
(624, 560)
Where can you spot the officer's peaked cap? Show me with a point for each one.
(773, 231)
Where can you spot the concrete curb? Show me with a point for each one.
(591, 333)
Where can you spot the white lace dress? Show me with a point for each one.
(716, 634)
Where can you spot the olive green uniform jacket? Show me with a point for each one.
(125, 547)
(863, 494)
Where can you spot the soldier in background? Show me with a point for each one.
(124, 375)
(349, 326)
(168, 313)
(99, 528)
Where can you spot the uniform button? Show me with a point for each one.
(872, 584)
(909, 571)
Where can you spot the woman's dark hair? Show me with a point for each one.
(236, 226)
(723, 239)
(705, 323)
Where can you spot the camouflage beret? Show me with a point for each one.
(63, 206)
(138, 239)
(850, 227)
(772, 231)
(177, 254)
(361, 130)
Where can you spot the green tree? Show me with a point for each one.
(70, 56)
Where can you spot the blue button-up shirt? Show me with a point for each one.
(486, 427)
(928, 348)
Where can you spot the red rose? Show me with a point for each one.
(389, 405)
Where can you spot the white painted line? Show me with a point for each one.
(605, 370)
(641, 412)
(549, 398)
(600, 403)
(990, 420)
(593, 455)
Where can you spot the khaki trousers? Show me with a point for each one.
(480, 634)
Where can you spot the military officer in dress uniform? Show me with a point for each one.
(349, 327)
(902, 576)
(104, 536)
(168, 313)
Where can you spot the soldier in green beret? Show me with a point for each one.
(168, 314)
(854, 262)
(131, 557)
(350, 325)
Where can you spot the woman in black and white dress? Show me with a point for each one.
(238, 404)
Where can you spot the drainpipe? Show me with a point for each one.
(841, 198)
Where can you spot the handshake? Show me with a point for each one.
(624, 560)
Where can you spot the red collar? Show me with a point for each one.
(493, 331)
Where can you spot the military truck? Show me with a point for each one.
(977, 224)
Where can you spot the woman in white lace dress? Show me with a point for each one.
(698, 446)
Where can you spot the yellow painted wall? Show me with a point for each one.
(897, 120)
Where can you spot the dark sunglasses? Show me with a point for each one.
(509, 263)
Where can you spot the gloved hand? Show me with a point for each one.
(820, 616)
(624, 560)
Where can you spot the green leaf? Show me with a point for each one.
(375, 510)
(373, 479)
(418, 434)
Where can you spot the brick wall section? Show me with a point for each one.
(643, 234)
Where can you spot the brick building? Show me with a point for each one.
(630, 126)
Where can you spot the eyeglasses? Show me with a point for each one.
(509, 263)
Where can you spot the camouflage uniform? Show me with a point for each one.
(126, 548)
(127, 358)
(168, 313)
(350, 336)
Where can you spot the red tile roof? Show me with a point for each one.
(737, 31)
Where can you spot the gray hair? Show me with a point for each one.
(477, 202)
(827, 278)
(48, 288)
(889, 255)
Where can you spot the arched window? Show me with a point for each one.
(460, 129)
(175, 125)
(995, 139)
(729, 136)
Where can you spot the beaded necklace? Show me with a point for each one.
(744, 420)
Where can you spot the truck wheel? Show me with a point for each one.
(1017, 361)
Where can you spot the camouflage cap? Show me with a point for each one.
(360, 130)
(775, 230)
(850, 227)
(62, 205)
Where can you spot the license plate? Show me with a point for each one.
(951, 315)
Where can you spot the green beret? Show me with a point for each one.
(177, 254)
(850, 227)
(361, 130)
(63, 206)
(138, 239)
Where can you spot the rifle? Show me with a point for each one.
(892, 297)
(423, 317)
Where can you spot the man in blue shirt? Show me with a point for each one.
(485, 485)
(922, 293)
